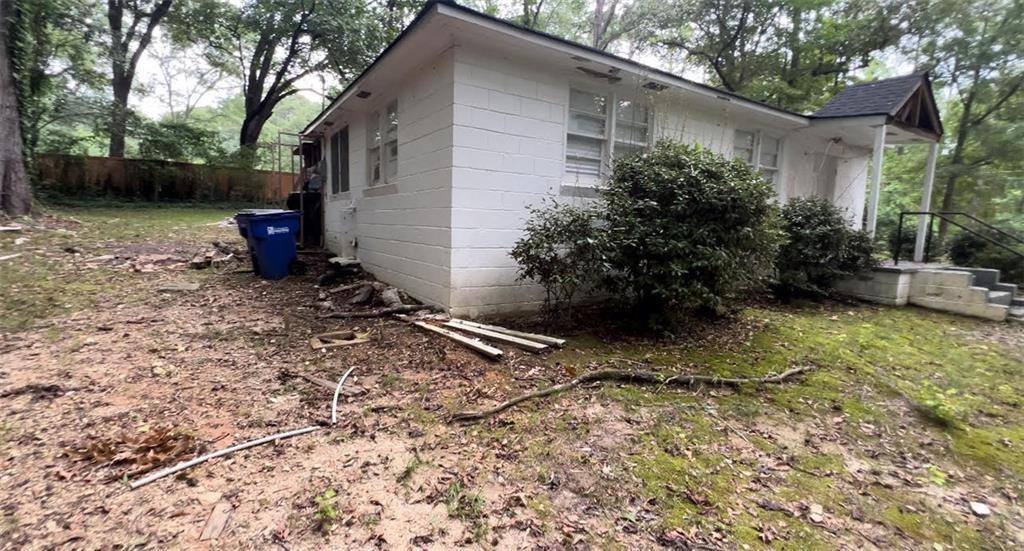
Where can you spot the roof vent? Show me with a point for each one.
(363, 94)
(656, 86)
(598, 74)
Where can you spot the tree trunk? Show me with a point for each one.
(962, 134)
(119, 116)
(598, 24)
(252, 127)
(15, 195)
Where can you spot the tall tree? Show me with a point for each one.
(791, 54)
(131, 27)
(15, 194)
(273, 44)
(54, 65)
(184, 79)
(976, 50)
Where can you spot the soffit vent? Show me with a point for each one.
(363, 94)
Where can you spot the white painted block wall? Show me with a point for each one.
(482, 139)
(403, 228)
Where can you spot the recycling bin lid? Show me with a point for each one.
(264, 212)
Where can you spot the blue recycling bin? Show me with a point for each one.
(271, 235)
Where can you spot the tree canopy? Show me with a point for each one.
(227, 75)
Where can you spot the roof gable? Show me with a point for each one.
(905, 100)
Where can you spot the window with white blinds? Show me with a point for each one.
(598, 132)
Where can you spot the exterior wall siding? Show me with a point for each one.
(481, 140)
(403, 227)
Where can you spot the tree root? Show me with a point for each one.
(628, 376)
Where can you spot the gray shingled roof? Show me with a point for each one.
(880, 97)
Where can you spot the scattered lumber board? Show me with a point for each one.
(528, 345)
(627, 376)
(473, 344)
(498, 329)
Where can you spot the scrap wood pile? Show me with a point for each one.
(472, 335)
(364, 298)
(219, 255)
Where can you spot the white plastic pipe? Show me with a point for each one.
(337, 392)
(193, 462)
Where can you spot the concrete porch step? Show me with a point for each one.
(1003, 298)
(1016, 314)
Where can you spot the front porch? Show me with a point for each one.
(896, 111)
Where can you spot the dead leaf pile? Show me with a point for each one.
(134, 453)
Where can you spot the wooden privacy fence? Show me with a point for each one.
(147, 180)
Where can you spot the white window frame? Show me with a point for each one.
(755, 163)
(378, 143)
(609, 139)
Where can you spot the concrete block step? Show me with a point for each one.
(1017, 301)
(1000, 297)
(983, 277)
(1016, 313)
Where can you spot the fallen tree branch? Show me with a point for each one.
(628, 376)
(380, 312)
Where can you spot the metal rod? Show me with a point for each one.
(899, 241)
(986, 224)
(928, 239)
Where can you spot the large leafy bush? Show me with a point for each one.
(561, 251)
(819, 248)
(967, 249)
(686, 230)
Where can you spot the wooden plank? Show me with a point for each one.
(527, 345)
(217, 521)
(474, 344)
(498, 329)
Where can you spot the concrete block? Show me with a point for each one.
(504, 103)
(987, 311)
(1000, 297)
(983, 277)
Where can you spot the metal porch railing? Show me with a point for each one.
(947, 216)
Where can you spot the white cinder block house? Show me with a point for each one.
(435, 152)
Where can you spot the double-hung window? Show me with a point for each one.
(762, 152)
(601, 128)
(382, 145)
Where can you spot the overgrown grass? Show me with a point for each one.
(44, 281)
(876, 367)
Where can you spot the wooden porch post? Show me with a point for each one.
(876, 178)
(926, 201)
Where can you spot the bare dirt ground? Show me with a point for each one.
(117, 378)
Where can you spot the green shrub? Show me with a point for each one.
(967, 249)
(685, 229)
(819, 248)
(561, 251)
